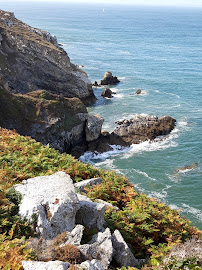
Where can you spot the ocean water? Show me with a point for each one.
(158, 50)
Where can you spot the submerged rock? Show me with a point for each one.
(109, 79)
(50, 202)
(31, 59)
(187, 168)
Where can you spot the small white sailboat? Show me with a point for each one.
(103, 10)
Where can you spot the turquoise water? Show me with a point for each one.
(158, 50)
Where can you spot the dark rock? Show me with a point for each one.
(133, 131)
(143, 128)
(109, 79)
(95, 84)
(62, 122)
(138, 91)
(107, 93)
(31, 59)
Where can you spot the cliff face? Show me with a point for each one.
(48, 118)
(31, 59)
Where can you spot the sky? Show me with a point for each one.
(185, 3)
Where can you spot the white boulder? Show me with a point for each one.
(89, 182)
(90, 265)
(99, 248)
(90, 214)
(52, 265)
(122, 253)
(52, 201)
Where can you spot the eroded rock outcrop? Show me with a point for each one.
(134, 131)
(100, 248)
(31, 59)
(107, 93)
(90, 214)
(50, 202)
(143, 128)
(62, 122)
(80, 186)
(109, 79)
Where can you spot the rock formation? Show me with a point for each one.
(31, 59)
(133, 131)
(138, 91)
(51, 201)
(109, 79)
(51, 204)
(143, 128)
(62, 122)
(107, 93)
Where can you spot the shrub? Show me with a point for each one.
(69, 253)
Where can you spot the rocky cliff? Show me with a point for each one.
(31, 59)
(62, 122)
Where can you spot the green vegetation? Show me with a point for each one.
(150, 227)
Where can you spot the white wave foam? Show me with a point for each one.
(145, 174)
(172, 94)
(90, 156)
(194, 211)
(119, 96)
(143, 93)
(150, 146)
(174, 207)
(140, 189)
(122, 78)
(176, 178)
(124, 52)
(157, 91)
(160, 195)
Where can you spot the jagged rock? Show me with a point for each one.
(90, 265)
(107, 93)
(80, 186)
(61, 122)
(138, 91)
(32, 59)
(109, 79)
(90, 214)
(107, 204)
(100, 248)
(142, 128)
(93, 127)
(52, 265)
(122, 253)
(53, 202)
(75, 236)
(46, 249)
(94, 84)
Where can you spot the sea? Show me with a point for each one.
(157, 50)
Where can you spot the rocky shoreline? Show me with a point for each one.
(42, 95)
